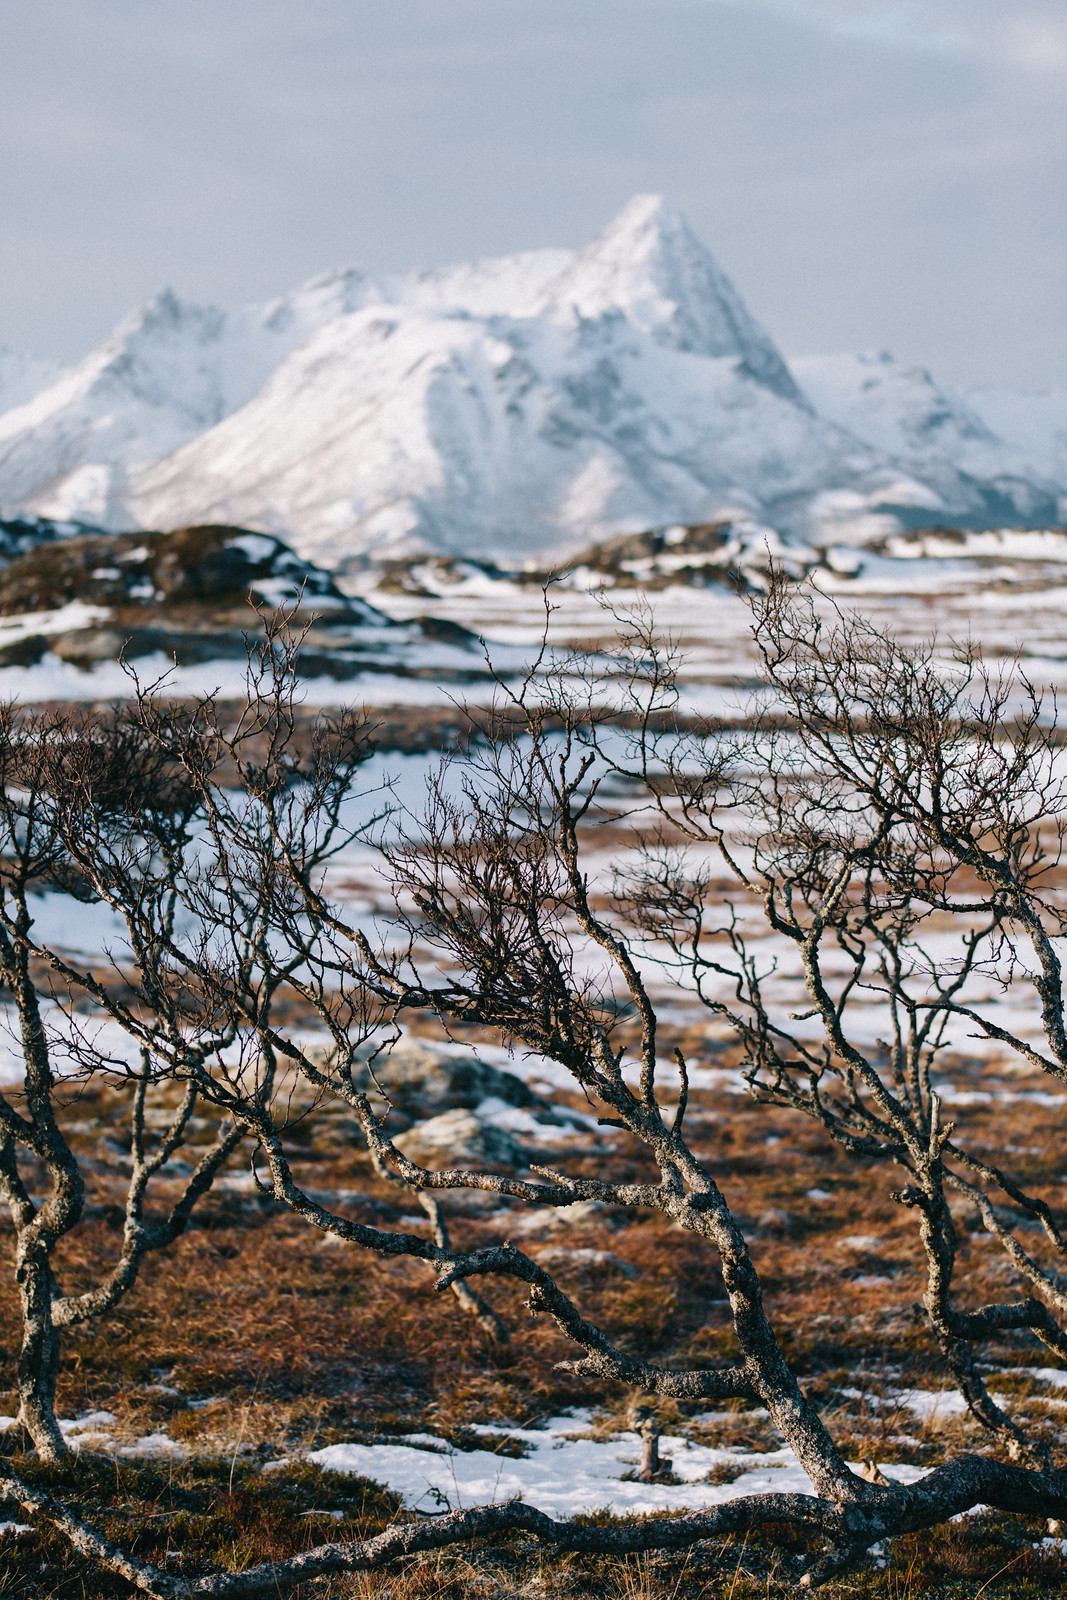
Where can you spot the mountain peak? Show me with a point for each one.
(644, 217)
(649, 263)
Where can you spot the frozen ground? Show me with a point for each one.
(564, 1469)
(1003, 591)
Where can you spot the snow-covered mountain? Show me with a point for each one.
(1035, 424)
(517, 406)
(948, 439)
(391, 431)
(649, 266)
(169, 372)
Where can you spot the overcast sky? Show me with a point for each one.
(871, 173)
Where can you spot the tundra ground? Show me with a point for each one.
(254, 1342)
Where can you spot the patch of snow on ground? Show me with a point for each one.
(566, 1474)
(932, 1404)
(153, 1447)
(1055, 1377)
(105, 1038)
(91, 1422)
(66, 619)
(92, 1431)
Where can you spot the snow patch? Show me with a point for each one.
(566, 1472)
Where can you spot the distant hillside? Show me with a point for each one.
(187, 606)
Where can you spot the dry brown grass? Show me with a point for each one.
(294, 1342)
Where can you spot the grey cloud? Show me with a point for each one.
(1030, 36)
(863, 186)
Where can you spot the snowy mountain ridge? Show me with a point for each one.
(520, 405)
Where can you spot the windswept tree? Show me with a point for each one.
(899, 816)
(879, 795)
(131, 787)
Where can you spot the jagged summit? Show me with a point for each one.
(648, 264)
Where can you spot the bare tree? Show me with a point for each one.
(874, 791)
(39, 757)
(903, 816)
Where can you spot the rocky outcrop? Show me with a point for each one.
(197, 596)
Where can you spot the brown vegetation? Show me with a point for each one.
(921, 802)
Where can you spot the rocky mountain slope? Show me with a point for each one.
(516, 408)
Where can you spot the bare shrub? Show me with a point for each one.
(879, 797)
(119, 774)
(903, 817)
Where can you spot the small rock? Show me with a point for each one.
(581, 1214)
(24, 652)
(421, 1082)
(775, 1221)
(459, 1137)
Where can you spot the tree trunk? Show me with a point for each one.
(38, 1365)
(646, 1425)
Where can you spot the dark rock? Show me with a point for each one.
(214, 564)
(21, 534)
(447, 631)
(85, 647)
(24, 652)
